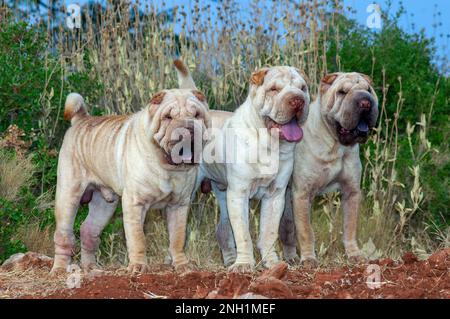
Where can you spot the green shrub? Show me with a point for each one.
(34, 83)
(10, 217)
(33, 87)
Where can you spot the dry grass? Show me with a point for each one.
(30, 282)
(36, 238)
(16, 169)
(15, 173)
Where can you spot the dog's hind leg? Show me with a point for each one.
(101, 209)
(224, 232)
(69, 192)
(287, 232)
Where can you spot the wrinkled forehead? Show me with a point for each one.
(184, 100)
(179, 96)
(352, 80)
(284, 75)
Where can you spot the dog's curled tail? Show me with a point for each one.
(75, 108)
(185, 80)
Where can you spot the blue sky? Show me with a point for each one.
(421, 13)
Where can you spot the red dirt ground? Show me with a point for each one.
(408, 278)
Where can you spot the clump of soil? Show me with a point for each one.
(29, 260)
(409, 278)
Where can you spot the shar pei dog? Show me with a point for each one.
(268, 122)
(137, 157)
(328, 159)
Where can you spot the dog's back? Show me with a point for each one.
(94, 142)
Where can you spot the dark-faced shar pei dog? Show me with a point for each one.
(328, 159)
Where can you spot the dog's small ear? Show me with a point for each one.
(257, 77)
(367, 78)
(302, 74)
(327, 81)
(158, 98)
(199, 95)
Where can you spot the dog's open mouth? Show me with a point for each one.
(361, 130)
(290, 131)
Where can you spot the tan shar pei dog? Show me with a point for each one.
(137, 157)
(328, 159)
(276, 106)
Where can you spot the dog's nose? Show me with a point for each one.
(296, 103)
(364, 104)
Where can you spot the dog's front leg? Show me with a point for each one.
(176, 223)
(134, 212)
(351, 198)
(287, 231)
(238, 202)
(271, 211)
(224, 232)
(301, 202)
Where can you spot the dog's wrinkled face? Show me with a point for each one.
(282, 98)
(179, 118)
(350, 106)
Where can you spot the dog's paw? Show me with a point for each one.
(270, 263)
(229, 262)
(186, 267)
(310, 263)
(241, 268)
(138, 268)
(229, 258)
(293, 260)
(89, 266)
(92, 269)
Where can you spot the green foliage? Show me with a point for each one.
(10, 216)
(33, 86)
(34, 83)
(23, 74)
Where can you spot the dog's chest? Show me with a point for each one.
(262, 186)
(172, 191)
(267, 183)
(329, 174)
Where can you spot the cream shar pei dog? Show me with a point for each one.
(328, 159)
(137, 157)
(276, 105)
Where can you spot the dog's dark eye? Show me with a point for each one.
(168, 117)
(342, 92)
(304, 88)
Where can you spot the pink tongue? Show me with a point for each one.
(291, 131)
